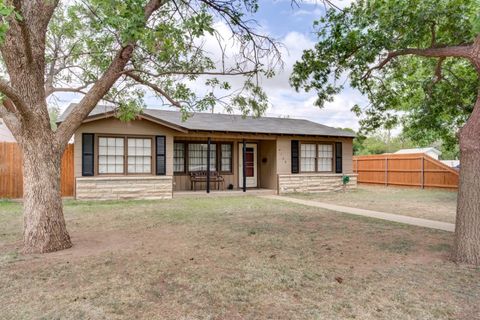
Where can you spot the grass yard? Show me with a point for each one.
(440, 205)
(232, 258)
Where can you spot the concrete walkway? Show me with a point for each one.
(371, 214)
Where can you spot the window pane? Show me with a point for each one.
(102, 142)
(226, 157)
(119, 142)
(178, 157)
(119, 168)
(139, 153)
(325, 157)
(110, 155)
(307, 157)
(197, 157)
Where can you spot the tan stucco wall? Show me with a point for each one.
(115, 126)
(284, 160)
(267, 164)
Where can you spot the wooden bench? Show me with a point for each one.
(201, 176)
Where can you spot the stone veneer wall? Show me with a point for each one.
(310, 183)
(116, 188)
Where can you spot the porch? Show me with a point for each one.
(234, 165)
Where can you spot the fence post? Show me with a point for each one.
(423, 172)
(386, 171)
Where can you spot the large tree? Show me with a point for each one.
(417, 60)
(112, 50)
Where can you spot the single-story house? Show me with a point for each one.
(430, 151)
(158, 154)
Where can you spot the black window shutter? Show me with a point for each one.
(88, 142)
(160, 156)
(338, 158)
(295, 154)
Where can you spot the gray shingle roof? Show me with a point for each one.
(231, 123)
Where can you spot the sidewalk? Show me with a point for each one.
(371, 214)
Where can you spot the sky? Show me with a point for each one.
(292, 26)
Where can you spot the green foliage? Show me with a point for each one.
(345, 180)
(169, 54)
(406, 90)
(6, 11)
(382, 142)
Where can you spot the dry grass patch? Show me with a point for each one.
(232, 258)
(430, 204)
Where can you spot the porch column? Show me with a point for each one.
(244, 168)
(208, 164)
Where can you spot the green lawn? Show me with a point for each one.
(232, 258)
(430, 204)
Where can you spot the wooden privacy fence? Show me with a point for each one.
(11, 171)
(416, 170)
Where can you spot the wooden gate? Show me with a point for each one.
(416, 170)
(11, 171)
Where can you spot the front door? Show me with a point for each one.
(250, 165)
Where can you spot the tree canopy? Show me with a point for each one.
(172, 56)
(385, 48)
(192, 54)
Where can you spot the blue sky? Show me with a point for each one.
(292, 25)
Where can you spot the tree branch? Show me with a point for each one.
(7, 113)
(102, 86)
(438, 69)
(190, 73)
(154, 87)
(434, 52)
(16, 99)
(24, 32)
(68, 89)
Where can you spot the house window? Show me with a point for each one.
(325, 157)
(139, 155)
(197, 157)
(307, 157)
(179, 157)
(111, 155)
(226, 158)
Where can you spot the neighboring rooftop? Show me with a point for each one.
(419, 150)
(228, 122)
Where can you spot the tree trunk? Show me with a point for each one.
(44, 224)
(467, 230)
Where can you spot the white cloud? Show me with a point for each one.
(284, 100)
(338, 3)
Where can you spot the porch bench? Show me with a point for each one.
(201, 176)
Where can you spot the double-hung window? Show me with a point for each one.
(325, 157)
(124, 155)
(111, 155)
(179, 157)
(307, 157)
(192, 156)
(197, 157)
(226, 158)
(316, 157)
(139, 155)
